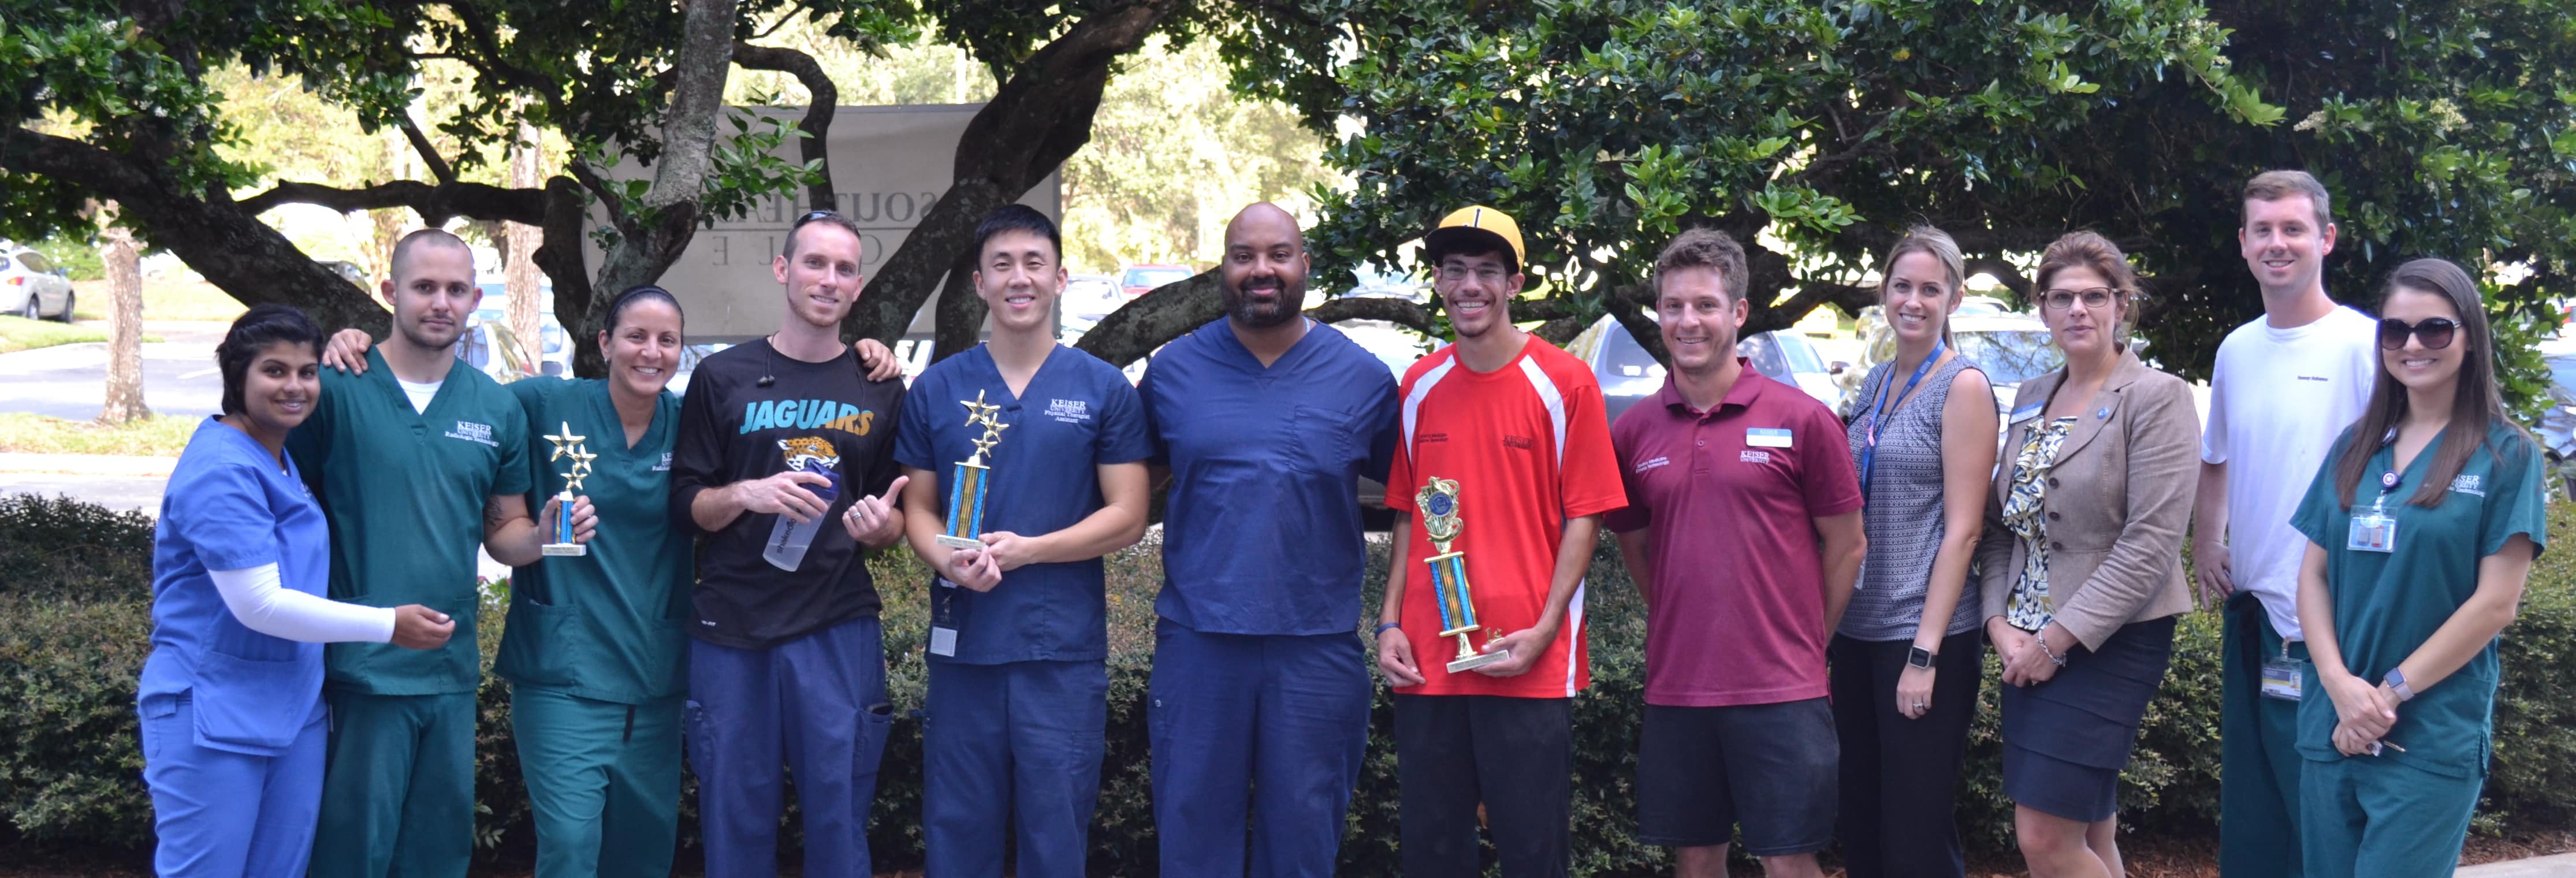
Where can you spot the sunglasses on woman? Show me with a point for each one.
(2435, 332)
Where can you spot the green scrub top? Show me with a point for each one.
(405, 491)
(2386, 604)
(609, 625)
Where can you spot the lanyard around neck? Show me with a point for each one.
(1878, 414)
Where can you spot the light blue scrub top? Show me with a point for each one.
(1261, 532)
(231, 505)
(1076, 414)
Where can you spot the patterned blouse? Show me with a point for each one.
(2030, 609)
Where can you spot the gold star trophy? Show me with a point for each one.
(966, 482)
(1438, 501)
(569, 446)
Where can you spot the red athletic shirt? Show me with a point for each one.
(1530, 448)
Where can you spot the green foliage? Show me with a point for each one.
(78, 258)
(1822, 130)
(75, 622)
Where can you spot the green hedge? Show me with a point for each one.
(74, 623)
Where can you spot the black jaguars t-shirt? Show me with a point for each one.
(817, 416)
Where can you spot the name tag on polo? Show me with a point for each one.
(1766, 437)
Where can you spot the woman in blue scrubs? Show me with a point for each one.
(233, 723)
(2422, 527)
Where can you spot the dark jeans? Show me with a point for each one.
(1899, 776)
(1515, 755)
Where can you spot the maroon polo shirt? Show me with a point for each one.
(1736, 611)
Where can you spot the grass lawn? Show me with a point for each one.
(162, 300)
(158, 436)
(20, 334)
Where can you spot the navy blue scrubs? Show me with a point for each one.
(1260, 695)
(234, 730)
(1015, 716)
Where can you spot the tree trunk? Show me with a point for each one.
(519, 242)
(960, 319)
(124, 328)
(1035, 121)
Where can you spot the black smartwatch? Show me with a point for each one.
(1918, 657)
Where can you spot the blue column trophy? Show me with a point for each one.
(1438, 501)
(568, 445)
(966, 483)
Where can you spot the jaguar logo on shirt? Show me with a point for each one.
(806, 414)
(814, 450)
(1070, 411)
(473, 432)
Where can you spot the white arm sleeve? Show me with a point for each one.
(263, 605)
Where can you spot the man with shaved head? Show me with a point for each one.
(415, 461)
(1265, 421)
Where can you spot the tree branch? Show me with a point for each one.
(1402, 312)
(822, 99)
(438, 166)
(434, 203)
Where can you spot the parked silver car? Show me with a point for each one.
(1628, 374)
(31, 286)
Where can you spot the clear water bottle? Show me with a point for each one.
(788, 539)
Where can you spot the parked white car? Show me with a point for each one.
(31, 286)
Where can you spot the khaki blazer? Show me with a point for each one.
(2117, 503)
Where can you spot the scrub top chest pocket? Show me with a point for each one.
(1316, 439)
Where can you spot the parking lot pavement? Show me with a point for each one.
(70, 381)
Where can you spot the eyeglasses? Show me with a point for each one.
(1485, 274)
(2435, 332)
(2060, 300)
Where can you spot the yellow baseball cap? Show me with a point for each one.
(1474, 228)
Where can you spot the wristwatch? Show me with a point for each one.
(2397, 683)
(1918, 657)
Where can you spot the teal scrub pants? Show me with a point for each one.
(604, 780)
(2259, 761)
(398, 792)
(2367, 817)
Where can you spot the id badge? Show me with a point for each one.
(2372, 532)
(2281, 678)
(943, 617)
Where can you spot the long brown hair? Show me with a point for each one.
(2475, 408)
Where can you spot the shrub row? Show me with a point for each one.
(75, 622)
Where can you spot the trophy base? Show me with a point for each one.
(1478, 660)
(564, 550)
(958, 542)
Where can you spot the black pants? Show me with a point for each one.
(1515, 755)
(1900, 777)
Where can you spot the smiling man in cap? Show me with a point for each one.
(1504, 435)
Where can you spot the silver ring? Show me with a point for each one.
(1918, 705)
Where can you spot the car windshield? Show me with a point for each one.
(1763, 351)
(2011, 356)
(1801, 355)
(1150, 278)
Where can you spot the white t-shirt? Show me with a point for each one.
(2278, 398)
(421, 393)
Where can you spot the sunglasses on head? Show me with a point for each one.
(2435, 332)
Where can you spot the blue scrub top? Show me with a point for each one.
(1075, 414)
(1261, 532)
(231, 505)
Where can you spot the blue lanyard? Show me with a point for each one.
(1878, 415)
